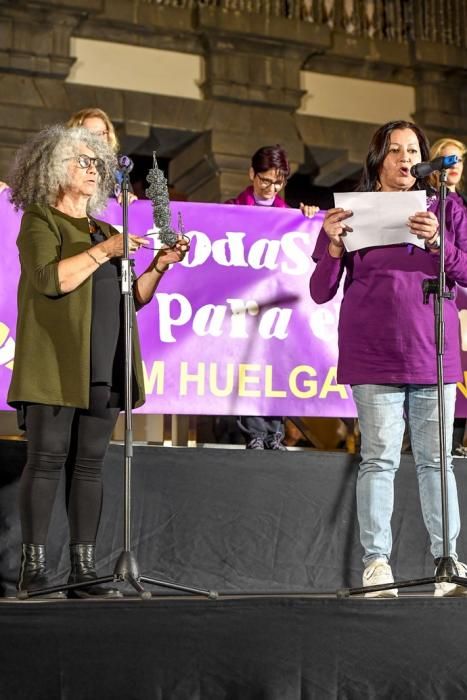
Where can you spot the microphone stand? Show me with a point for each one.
(446, 570)
(126, 568)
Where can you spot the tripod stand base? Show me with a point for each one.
(446, 572)
(126, 571)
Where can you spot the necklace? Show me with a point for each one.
(92, 226)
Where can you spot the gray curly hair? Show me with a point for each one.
(40, 171)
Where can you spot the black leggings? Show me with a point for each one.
(56, 435)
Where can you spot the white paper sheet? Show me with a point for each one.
(380, 218)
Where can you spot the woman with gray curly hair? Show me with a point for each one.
(67, 382)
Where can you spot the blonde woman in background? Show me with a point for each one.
(453, 147)
(99, 124)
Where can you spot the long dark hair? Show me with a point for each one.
(378, 150)
(271, 158)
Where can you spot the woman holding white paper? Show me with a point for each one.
(387, 347)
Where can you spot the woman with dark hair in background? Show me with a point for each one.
(68, 376)
(387, 349)
(268, 173)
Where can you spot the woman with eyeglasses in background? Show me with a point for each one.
(268, 173)
(68, 376)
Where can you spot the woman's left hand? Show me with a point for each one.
(424, 224)
(168, 256)
(308, 210)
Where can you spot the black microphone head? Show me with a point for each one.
(421, 170)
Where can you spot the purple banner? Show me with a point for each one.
(232, 329)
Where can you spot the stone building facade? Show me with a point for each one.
(206, 82)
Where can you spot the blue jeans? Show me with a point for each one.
(381, 417)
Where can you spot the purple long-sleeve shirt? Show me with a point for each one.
(386, 332)
(247, 197)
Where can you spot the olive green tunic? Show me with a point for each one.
(53, 334)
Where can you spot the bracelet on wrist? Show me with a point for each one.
(161, 272)
(93, 258)
(434, 243)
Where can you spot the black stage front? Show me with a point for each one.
(253, 649)
(281, 524)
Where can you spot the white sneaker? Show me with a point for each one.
(446, 589)
(377, 573)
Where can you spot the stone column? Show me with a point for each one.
(214, 167)
(441, 88)
(252, 83)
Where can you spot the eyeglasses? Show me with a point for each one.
(265, 182)
(86, 161)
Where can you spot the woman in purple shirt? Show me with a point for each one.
(268, 175)
(448, 146)
(387, 349)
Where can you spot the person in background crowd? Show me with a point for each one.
(68, 378)
(99, 124)
(268, 175)
(448, 147)
(451, 147)
(387, 350)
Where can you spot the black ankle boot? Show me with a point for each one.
(33, 571)
(83, 569)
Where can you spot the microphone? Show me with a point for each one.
(441, 163)
(125, 163)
